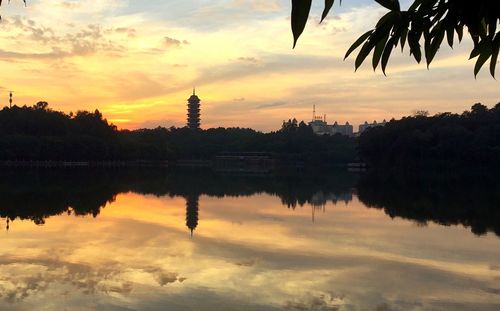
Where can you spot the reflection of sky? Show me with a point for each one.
(246, 254)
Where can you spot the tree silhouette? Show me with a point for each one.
(468, 141)
(39, 133)
(429, 21)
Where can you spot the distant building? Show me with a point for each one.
(345, 129)
(321, 127)
(193, 116)
(363, 127)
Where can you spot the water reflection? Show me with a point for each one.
(254, 245)
(192, 205)
(470, 200)
(37, 195)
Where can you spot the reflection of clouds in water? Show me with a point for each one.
(31, 279)
(270, 265)
(163, 277)
(322, 301)
(247, 262)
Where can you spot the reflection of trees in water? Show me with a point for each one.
(472, 201)
(319, 200)
(29, 195)
(38, 194)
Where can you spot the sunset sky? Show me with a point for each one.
(137, 61)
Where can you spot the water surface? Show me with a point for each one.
(177, 241)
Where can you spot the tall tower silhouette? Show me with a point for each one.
(192, 205)
(193, 117)
(10, 99)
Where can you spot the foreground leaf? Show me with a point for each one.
(328, 6)
(300, 14)
(358, 43)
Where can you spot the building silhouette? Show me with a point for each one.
(193, 116)
(366, 125)
(192, 206)
(321, 127)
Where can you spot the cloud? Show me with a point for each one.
(248, 60)
(262, 6)
(130, 32)
(41, 42)
(171, 42)
(70, 5)
(54, 54)
(272, 105)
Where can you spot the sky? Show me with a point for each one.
(137, 62)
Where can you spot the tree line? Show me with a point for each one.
(38, 133)
(443, 141)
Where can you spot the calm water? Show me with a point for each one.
(164, 241)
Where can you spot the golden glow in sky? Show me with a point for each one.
(138, 61)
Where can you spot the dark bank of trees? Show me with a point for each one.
(462, 198)
(38, 133)
(444, 141)
(290, 142)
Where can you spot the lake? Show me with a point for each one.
(82, 239)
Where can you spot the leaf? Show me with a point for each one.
(363, 53)
(494, 55)
(387, 52)
(414, 46)
(427, 50)
(377, 53)
(392, 5)
(493, 63)
(450, 34)
(402, 39)
(385, 19)
(492, 26)
(328, 6)
(300, 14)
(460, 32)
(476, 50)
(358, 43)
(483, 57)
(414, 6)
(434, 46)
